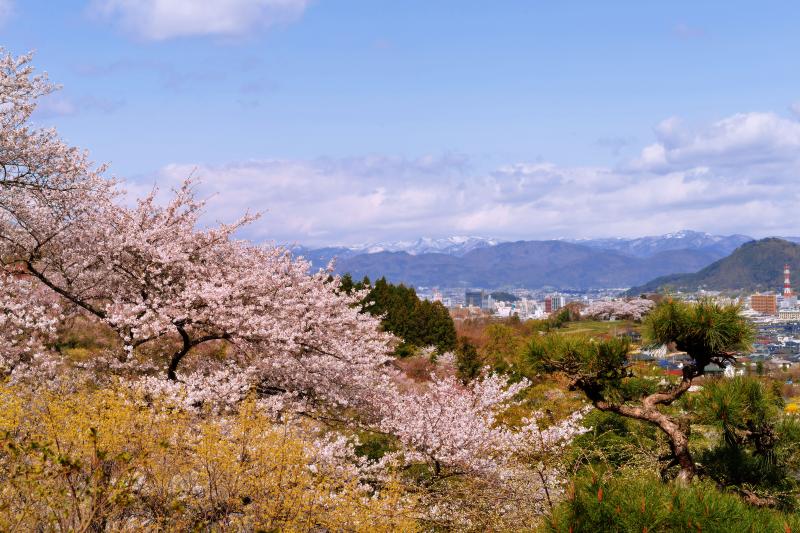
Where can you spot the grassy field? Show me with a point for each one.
(600, 327)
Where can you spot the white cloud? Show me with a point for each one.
(736, 175)
(60, 105)
(165, 19)
(370, 199)
(685, 31)
(6, 10)
(740, 142)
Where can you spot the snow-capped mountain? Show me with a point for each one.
(680, 240)
(637, 246)
(457, 245)
(682, 251)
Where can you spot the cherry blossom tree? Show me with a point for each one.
(456, 425)
(633, 309)
(170, 290)
(458, 430)
(150, 274)
(51, 194)
(27, 321)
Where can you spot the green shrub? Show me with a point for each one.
(468, 363)
(758, 448)
(616, 441)
(642, 503)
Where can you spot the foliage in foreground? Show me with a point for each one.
(757, 449)
(220, 320)
(106, 460)
(642, 503)
(83, 458)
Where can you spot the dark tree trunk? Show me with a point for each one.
(177, 356)
(678, 436)
(679, 442)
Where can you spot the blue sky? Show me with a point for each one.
(352, 122)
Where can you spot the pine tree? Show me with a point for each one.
(468, 363)
(416, 322)
(707, 332)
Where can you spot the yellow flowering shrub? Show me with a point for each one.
(105, 460)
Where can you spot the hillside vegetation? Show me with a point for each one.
(754, 266)
(158, 374)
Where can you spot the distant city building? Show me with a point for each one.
(480, 299)
(787, 284)
(503, 309)
(789, 314)
(765, 304)
(789, 300)
(554, 302)
(527, 309)
(473, 298)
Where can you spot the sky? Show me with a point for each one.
(349, 122)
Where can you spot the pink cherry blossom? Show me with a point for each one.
(633, 309)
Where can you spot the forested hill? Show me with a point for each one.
(754, 266)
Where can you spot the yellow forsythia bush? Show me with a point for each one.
(105, 460)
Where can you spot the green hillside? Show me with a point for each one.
(754, 266)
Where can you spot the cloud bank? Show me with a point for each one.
(158, 20)
(737, 175)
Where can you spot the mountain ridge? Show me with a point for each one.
(681, 240)
(754, 266)
(641, 263)
(459, 245)
(531, 264)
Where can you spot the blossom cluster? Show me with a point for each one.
(455, 425)
(28, 318)
(633, 309)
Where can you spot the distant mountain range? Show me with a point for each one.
(559, 264)
(532, 264)
(681, 240)
(755, 266)
(456, 245)
(460, 245)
